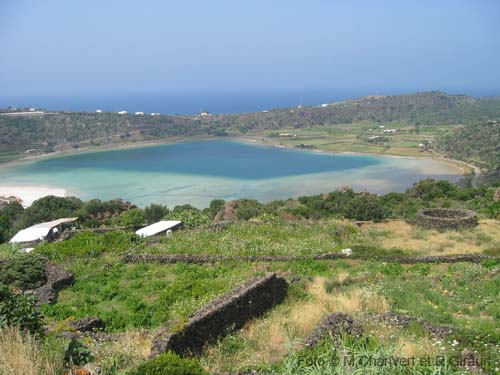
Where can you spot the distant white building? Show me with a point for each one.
(122, 112)
(98, 111)
(155, 114)
(159, 228)
(139, 113)
(324, 105)
(390, 131)
(204, 113)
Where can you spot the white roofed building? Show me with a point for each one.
(159, 228)
(42, 231)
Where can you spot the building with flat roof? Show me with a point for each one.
(159, 228)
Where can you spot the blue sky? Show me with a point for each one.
(59, 47)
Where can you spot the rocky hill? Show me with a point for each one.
(46, 131)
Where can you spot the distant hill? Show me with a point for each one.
(48, 131)
(475, 143)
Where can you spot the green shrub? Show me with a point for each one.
(23, 271)
(77, 353)
(190, 217)
(133, 219)
(19, 310)
(169, 364)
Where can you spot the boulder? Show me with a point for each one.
(57, 277)
(88, 324)
(334, 326)
(44, 294)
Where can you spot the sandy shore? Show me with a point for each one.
(29, 194)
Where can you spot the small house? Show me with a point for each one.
(43, 232)
(158, 228)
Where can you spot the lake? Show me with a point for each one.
(197, 172)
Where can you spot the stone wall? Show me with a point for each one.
(202, 259)
(228, 312)
(446, 218)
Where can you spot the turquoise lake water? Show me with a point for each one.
(197, 172)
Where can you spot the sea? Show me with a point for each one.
(185, 102)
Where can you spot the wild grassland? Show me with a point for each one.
(22, 353)
(306, 238)
(135, 300)
(461, 295)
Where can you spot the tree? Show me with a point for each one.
(133, 219)
(155, 212)
(50, 208)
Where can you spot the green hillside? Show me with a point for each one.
(55, 130)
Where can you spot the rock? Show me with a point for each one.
(228, 213)
(57, 277)
(334, 326)
(44, 294)
(88, 324)
(346, 252)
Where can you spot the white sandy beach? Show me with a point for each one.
(28, 194)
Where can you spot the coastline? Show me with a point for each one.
(29, 193)
(255, 140)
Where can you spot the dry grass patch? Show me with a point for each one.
(21, 354)
(268, 340)
(401, 235)
(126, 350)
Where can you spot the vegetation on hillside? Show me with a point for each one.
(478, 144)
(135, 300)
(53, 130)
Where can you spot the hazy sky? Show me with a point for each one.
(74, 47)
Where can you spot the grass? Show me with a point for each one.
(441, 294)
(306, 238)
(353, 138)
(23, 354)
(135, 300)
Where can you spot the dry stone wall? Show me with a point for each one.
(446, 218)
(228, 312)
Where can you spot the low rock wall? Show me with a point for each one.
(228, 312)
(446, 218)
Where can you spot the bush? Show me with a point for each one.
(133, 219)
(50, 208)
(23, 271)
(191, 217)
(169, 364)
(155, 212)
(19, 310)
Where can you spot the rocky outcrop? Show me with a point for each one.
(404, 320)
(446, 218)
(228, 213)
(57, 279)
(334, 326)
(88, 324)
(228, 312)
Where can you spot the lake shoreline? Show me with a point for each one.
(29, 192)
(457, 164)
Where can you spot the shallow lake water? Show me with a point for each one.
(197, 172)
